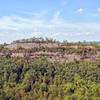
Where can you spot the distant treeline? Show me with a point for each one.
(40, 39)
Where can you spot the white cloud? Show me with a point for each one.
(56, 17)
(37, 33)
(98, 10)
(21, 27)
(80, 10)
(88, 33)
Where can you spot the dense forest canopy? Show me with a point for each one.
(40, 79)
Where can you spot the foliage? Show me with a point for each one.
(40, 79)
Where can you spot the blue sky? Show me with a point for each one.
(72, 20)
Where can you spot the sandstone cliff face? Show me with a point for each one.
(50, 50)
(30, 45)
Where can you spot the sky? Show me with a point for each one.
(72, 20)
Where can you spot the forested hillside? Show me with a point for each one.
(38, 69)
